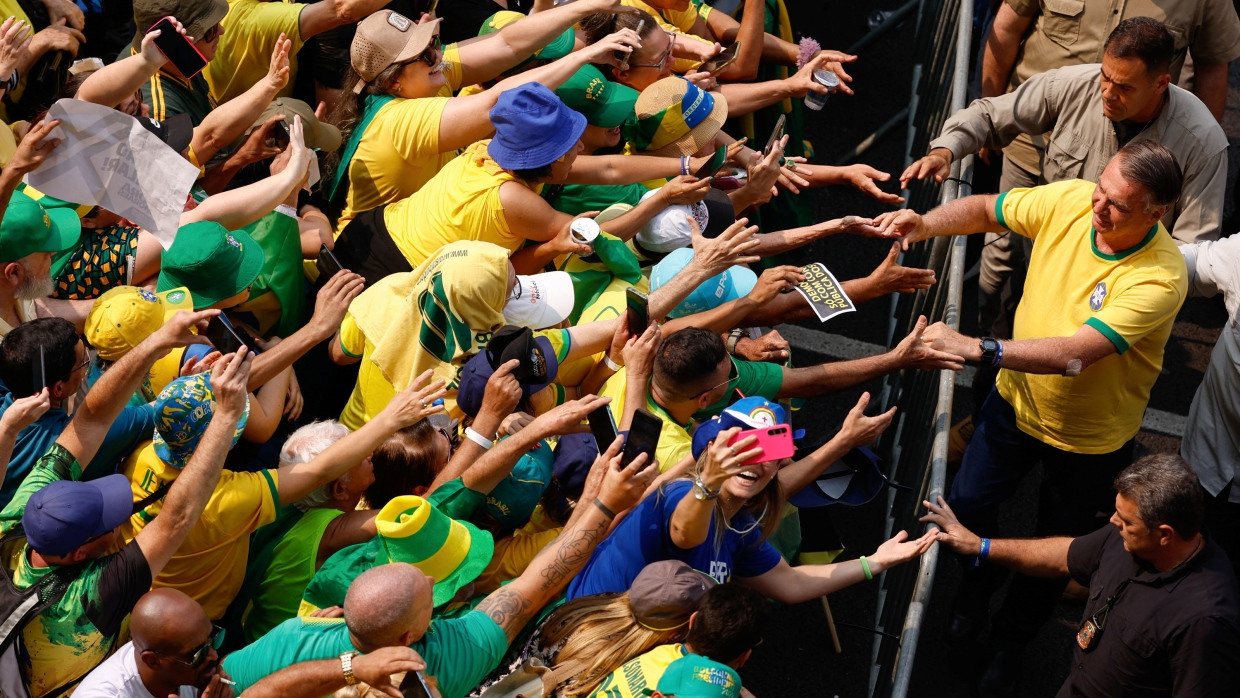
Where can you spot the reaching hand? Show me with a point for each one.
(899, 550)
(639, 351)
(293, 401)
(259, 145)
(619, 340)
(733, 246)
(299, 155)
(65, 12)
(685, 189)
(703, 80)
(858, 429)
(891, 277)
(769, 347)
(937, 163)
(951, 531)
(228, 382)
(863, 177)
(151, 53)
(194, 365)
(907, 225)
(915, 352)
(567, 418)
(514, 423)
(26, 411)
(413, 404)
(57, 37)
(502, 392)
(376, 668)
(624, 487)
(766, 171)
(15, 38)
(329, 612)
(182, 330)
(775, 281)
(333, 300)
(33, 149)
(278, 68)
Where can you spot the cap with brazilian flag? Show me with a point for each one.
(676, 117)
(125, 315)
(604, 103)
(695, 676)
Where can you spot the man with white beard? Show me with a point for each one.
(29, 236)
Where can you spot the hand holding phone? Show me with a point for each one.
(222, 335)
(178, 49)
(716, 162)
(603, 426)
(722, 59)
(639, 316)
(775, 442)
(775, 135)
(414, 686)
(643, 438)
(327, 264)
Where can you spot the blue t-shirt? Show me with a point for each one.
(643, 537)
(134, 425)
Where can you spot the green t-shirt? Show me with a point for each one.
(79, 631)
(289, 570)
(459, 652)
(760, 378)
(575, 199)
(168, 96)
(330, 583)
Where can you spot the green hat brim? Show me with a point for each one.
(66, 229)
(247, 273)
(559, 47)
(481, 550)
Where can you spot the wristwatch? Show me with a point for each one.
(702, 492)
(346, 665)
(990, 349)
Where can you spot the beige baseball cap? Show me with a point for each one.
(385, 38)
(319, 136)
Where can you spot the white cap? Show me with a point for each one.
(669, 229)
(543, 300)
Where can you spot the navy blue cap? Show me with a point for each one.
(477, 371)
(533, 128)
(64, 514)
(855, 479)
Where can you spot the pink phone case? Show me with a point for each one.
(775, 442)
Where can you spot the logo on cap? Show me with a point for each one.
(764, 416)
(147, 296)
(232, 241)
(47, 221)
(595, 89)
(176, 296)
(400, 22)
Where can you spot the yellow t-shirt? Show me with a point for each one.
(459, 203)
(244, 53)
(373, 391)
(675, 443)
(1131, 298)
(639, 673)
(210, 565)
(399, 152)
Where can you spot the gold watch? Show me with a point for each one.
(346, 665)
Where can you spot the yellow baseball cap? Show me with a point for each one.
(126, 315)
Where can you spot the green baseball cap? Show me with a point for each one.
(28, 228)
(694, 676)
(604, 103)
(559, 47)
(213, 263)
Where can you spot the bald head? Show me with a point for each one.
(168, 621)
(383, 603)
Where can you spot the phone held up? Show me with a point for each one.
(639, 315)
(178, 49)
(643, 438)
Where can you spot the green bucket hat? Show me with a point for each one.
(453, 552)
(197, 16)
(694, 676)
(213, 263)
(28, 227)
(559, 47)
(604, 103)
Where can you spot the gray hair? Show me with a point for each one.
(303, 445)
(1153, 166)
(1166, 491)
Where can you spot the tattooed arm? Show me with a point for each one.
(512, 605)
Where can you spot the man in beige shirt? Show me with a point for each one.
(1087, 113)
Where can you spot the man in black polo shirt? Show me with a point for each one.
(1163, 614)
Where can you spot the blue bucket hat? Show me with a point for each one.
(746, 413)
(533, 128)
(64, 514)
(182, 412)
(728, 285)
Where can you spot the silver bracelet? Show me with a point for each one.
(478, 438)
(615, 367)
(287, 210)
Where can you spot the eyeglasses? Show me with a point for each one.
(431, 55)
(671, 43)
(733, 374)
(214, 641)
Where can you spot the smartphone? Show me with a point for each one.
(643, 438)
(775, 135)
(180, 51)
(603, 426)
(624, 56)
(39, 373)
(414, 686)
(222, 335)
(714, 164)
(279, 135)
(722, 60)
(639, 316)
(327, 263)
(775, 442)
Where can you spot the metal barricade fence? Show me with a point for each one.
(915, 446)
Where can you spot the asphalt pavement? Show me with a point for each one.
(796, 657)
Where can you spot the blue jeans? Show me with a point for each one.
(1075, 488)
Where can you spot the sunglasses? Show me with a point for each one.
(432, 53)
(733, 374)
(214, 641)
(671, 43)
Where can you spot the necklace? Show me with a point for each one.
(1197, 547)
(751, 526)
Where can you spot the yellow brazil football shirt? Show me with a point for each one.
(1131, 298)
(635, 675)
(399, 152)
(210, 565)
(243, 56)
(675, 444)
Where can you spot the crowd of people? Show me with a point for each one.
(425, 348)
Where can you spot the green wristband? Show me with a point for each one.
(865, 567)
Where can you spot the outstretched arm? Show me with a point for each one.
(1038, 557)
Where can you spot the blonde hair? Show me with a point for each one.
(599, 634)
(767, 507)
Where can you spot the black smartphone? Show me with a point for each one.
(639, 317)
(39, 373)
(714, 164)
(414, 686)
(180, 51)
(603, 426)
(722, 60)
(279, 135)
(775, 135)
(643, 438)
(328, 265)
(222, 335)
